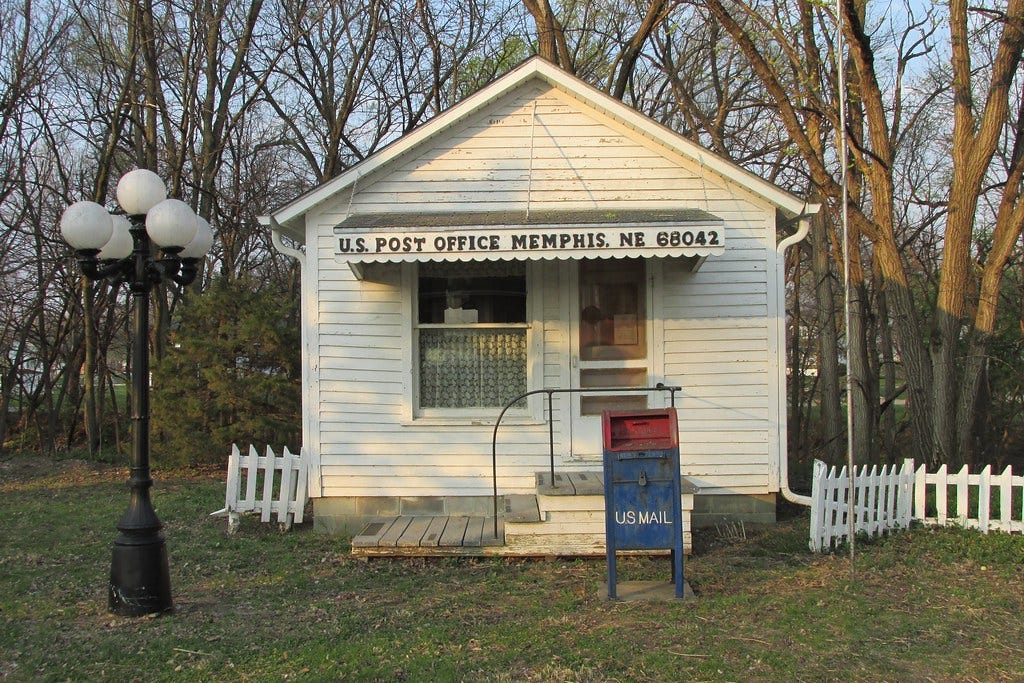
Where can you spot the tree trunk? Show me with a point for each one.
(860, 372)
(917, 366)
(631, 53)
(833, 426)
(92, 435)
(973, 369)
(796, 365)
(887, 379)
(977, 131)
(550, 35)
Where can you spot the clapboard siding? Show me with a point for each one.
(710, 357)
(375, 312)
(417, 484)
(691, 403)
(517, 167)
(705, 288)
(453, 435)
(343, 392)
(359, 354)
(709, 484)
(442, 173)
(554, 154)
(747, 301)
(714, 391)
(453, 461)
(717, 341)
(540, 186)
(711, 310)
(376, 446)
(334, 372)
(555, 345)
(727, 347)
(711, 454)
(361, 329)
(362, 333)
(741, 332)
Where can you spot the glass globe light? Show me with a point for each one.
(139, 191)
(121, 244)
(85, 226)
(201, 243)
(171, 224)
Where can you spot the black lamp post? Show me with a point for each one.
(120, 248)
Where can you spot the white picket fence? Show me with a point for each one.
(882, 502)
(982, 501)
(265, 485)
(886, 499)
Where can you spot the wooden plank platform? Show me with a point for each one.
(428, 536)
(454, 532)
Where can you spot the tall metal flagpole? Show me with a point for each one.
(843, 154)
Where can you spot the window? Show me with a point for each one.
(471, 335)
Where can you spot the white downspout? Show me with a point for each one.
(314, 483)
(804, 226)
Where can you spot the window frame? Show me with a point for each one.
(483, 415)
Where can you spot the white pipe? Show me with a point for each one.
(314, 486)
(275, 236)
(804, 227)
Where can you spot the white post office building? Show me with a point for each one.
(538, 235)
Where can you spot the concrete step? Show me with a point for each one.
(582, 483)
(548, 504)
(521, 507)
(570, 517)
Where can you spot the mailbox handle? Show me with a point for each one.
(639, 455)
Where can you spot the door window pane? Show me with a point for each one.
(595, 405)
(613, 321)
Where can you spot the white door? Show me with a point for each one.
(610, 333)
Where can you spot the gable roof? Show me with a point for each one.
(290, 216)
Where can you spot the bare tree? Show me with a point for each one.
(939, 388)
(319, 88)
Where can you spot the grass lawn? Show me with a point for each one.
(263, 605)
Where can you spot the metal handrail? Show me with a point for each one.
(551, 426)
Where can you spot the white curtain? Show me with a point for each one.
(466, 368)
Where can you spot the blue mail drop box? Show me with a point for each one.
(643, 509)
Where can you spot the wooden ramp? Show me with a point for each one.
(429, 536)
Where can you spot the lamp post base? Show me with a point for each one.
(140, 580)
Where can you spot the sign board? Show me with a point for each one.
(524, 243)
